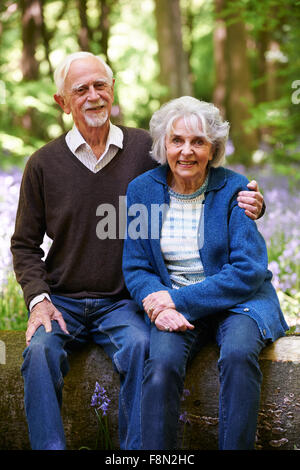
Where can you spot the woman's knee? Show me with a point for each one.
(239, 340)
(241, 353)
(239, 362)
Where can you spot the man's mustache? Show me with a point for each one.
(96, 104)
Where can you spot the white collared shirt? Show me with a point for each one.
(81, 149)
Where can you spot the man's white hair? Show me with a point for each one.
(196, 114)
(63, 68)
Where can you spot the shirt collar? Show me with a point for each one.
(75, 139)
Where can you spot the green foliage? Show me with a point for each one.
(13, 312)
(133, 53)
(27, 106)
(280, 124)
(276, 118)
(29, 117)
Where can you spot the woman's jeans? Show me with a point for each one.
(240, 343)
(114, 324)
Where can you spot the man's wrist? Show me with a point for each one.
(263, 210)
(37, 299)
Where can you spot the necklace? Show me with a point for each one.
(194, 195)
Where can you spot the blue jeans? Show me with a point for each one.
(116, 325)
(240, 343)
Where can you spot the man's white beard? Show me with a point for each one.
(98, 120)
(95, 119)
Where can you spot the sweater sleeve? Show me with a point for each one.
(28, 236)
(237, 281)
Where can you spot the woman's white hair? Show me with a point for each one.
(63, 68)
(201, 118)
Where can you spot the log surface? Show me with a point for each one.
(279, 416)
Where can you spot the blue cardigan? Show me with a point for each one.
(233, 254)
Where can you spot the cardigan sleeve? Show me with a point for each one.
(140, 277)
(139, 271)
(28, 236)
(237, 281)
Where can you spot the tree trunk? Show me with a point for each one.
(240, 96)
(221, 69)
(46, 39)
(279, 414)
(31, 32)
(174, 70)
(104, 27)
(84, 35)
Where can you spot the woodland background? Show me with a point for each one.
(243, 55)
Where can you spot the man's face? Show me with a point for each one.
(88, 95)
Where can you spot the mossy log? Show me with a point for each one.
(279, 416)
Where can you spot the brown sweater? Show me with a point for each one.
(60, 196)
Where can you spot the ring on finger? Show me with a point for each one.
(150, 309)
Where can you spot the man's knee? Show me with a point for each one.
(45, 349)
(142, 340)
(163, 371)
(138, 341)
(132, 352)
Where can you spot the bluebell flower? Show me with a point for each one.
(100, 400)
(184, 418)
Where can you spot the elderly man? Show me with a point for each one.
(77, 293)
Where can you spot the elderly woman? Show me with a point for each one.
(198, 267)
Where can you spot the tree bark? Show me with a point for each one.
(46, 39)
(31, 32)
(221, 69)
(279, 414)
(104, 26)
(84, 35)
(232, 92)
(174, 70)
(240, 95)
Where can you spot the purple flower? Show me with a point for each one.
(184, 418)
(185, 393)
(100, 400)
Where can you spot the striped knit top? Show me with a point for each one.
(181, 238)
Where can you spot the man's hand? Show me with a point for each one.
(157, 302)
(42, 314)
(251, 201)
(171, 320)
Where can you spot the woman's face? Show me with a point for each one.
(188, 155)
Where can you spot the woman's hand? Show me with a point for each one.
(157, 302)
(251, 201)
(171, 320)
